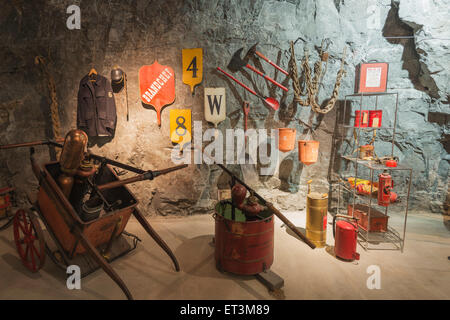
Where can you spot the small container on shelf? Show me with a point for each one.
(378, 221)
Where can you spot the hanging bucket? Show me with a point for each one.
(286, 140)
(308, 151)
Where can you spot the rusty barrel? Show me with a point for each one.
(242, 246)
(316, 218)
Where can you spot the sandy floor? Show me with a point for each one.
(422, 271)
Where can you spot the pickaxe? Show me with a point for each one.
(252, 51)
(237, 64)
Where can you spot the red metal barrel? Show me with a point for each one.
(345, 234)
(243, 247)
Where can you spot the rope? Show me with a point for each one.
(56, 124)
(298, 92)
(312, 84)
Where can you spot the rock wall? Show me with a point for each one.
(133, 33)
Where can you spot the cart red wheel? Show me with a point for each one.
(29, 240)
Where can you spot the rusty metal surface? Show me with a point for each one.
(244, 248)
(316, 219)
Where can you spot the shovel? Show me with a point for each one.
(271, 102)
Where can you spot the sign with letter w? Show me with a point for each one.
(215, 105)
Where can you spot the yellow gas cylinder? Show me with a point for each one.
(316, 217)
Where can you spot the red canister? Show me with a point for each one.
(385, 185)
(362, 118)
(375, 118)
(345, 232)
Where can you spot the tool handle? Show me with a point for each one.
(259, 54)
(246, 107)
(237, 81)
(289, 224)
(279, 85)
(165, 171)
(34, 143)
(270, 207)
(149, 175)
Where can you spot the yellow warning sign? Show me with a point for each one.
(180, 126)
(192, 67)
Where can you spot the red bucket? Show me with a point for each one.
(362, 118)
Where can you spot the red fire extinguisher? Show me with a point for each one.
(385, 185)
(345, 233)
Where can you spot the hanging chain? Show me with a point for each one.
(312, 85)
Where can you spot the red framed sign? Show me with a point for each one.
(371, 77)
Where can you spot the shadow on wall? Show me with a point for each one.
(290, 172)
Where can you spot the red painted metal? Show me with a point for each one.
(378, 221)
(361, 118)
(385, 185)
(244, 248)
(345, 234)
(375, 117)
(29, 240)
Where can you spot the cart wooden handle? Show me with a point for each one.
(149, 175)
(34, 143)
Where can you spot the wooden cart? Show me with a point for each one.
(90, 245)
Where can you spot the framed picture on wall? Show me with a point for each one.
(371, 77)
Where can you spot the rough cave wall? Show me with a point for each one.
(133, 33)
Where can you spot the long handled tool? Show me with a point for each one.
(34, 143)
(270, 207)
(252, 51)
(271, 102)
(237, 64)
(149, 175)
(246, 110)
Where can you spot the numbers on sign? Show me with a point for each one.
(193, 67)
(180, 126)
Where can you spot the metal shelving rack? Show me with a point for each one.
(368, 238)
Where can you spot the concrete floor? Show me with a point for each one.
(422, 271)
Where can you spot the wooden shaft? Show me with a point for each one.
(238, 82)
(149, 175)
(104, 264)
(290, 224)
(271, 208)
(116, 163)
(279, 85)
(165, 171)
(30, 144)
(259, 54)
(146, 225)
(120, 183)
